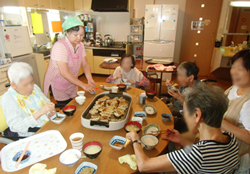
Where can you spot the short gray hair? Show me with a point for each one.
(18, 71)
(211, 100)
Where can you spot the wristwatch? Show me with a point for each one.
(136, 141)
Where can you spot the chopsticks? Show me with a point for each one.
(163, 131)
(21, 157)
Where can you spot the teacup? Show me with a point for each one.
(80, 99)
(76, 140)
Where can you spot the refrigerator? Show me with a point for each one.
(160, 31)
(14, 41)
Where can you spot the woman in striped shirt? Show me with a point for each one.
(216, 152)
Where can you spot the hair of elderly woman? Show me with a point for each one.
(18, 71)
(211, 100)
(191, 69)
(245, 56)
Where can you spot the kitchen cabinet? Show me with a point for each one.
(65, 4)
(46, 64)
(90, 58)
(97, 61)
(44, 4)
(56, 4)
(31, 3)
(79, 5)
(87, 5)
(81, 71)
(71, 5)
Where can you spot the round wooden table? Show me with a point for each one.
(107, 161)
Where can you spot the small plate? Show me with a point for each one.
(152, 127)
(85, 164)
(107, 87)
(110, 60)
(140, 114)
(58, 121)
(119, 139)
(149, 109)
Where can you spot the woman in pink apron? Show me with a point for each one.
(67, 56)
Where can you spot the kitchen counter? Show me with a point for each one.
(106, 48)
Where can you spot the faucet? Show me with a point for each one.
(37, 48)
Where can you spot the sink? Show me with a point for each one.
(45, 52)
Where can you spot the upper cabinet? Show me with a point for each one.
(71, 5)
(78, 5)
(87, 5)
(44, 4)
(56, 4)
(65, 5)
(30, 3)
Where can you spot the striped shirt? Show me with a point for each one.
(207, 157)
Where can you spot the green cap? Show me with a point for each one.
(71, 22)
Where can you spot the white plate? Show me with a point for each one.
(110, 60)
(85, 164)
(42, 146)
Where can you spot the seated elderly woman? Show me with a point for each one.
(216, 152)
(237, 118)
(127, 70)
(25, 107)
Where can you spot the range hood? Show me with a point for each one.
(110, 5)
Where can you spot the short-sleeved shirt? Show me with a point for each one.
(245, 110)
(60, 52)
(207, 157)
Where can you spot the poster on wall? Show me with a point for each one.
(197, 25)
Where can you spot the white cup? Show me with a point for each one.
(80, 99)
(80, 93)
(76, 140)
(114, 89)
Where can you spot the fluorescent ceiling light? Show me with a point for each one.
(240, 3)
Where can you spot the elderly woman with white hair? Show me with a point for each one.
(25, 107)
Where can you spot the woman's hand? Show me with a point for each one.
(169, 83)
(119, 75)
(132, 135)
(88, 88)
(91, 82)
(173, 135)
(48, 107)
(177, 95)
(131, 81)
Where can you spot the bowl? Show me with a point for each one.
(149, 147)
(138, 119)
(166, 116)
(152, 127)
(117, 140)
(84, 165)
(92, 92)
(81, 93)
(80, 99)
(122, 87)
(132, 123)
(69, 110)
(56, 120)
(150, 94)
(127, 84)
(88, 145)
(140, 114)
(149, 109)
(172, 88)
(64, 157)
(26, 156)
(125, 80)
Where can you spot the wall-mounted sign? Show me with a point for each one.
(197, 25)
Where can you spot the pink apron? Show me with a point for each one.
(63, 89)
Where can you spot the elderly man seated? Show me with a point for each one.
(216, 152)
(25, 107)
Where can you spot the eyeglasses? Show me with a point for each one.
(181, 112)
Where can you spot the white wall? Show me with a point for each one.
(115, 23)
(182, 6)
(139, 7)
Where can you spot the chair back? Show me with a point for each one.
(3, 124)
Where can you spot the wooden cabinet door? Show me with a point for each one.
(90, 58)
(44, 4)
(65, 4)
(87, 5)
(46, 62)
(97, 61)
(31, 3)
(56, 4)
(205, 40)
(78, 5)
(71, 5)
